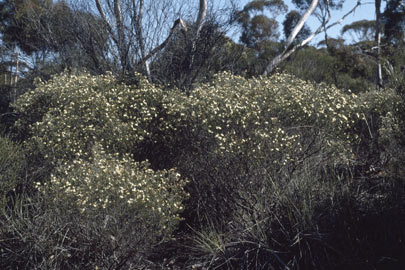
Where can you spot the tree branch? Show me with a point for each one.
(301, 22)
(104, 17)
(202, 13)
(163, 44)
(199, 22)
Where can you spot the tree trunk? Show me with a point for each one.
(379, 81)
(122, 44)
(288, 50)
(281, 57)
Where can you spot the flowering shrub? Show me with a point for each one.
(88, 129)
(67, 115)
(225, 136)
(263, 115)
(233, 135)
(260, 155)
(118, 182)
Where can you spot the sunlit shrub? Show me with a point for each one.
(88, 132)
(263, 155)
(113, 182)
(264, 112)
(67, 115)
(232, 133)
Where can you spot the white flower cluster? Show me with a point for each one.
(116, 181)
(264, 117)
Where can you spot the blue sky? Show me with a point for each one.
(365, 11)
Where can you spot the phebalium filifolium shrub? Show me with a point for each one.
(235, 132)
(118, 182)
(255, 152)
(86, 128)
(264, 114)
(226, 136)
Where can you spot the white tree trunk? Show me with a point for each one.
(281, 57)
(379, 83)
(289, 50)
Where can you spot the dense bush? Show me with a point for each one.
(109, 182)
(67, 115)
(36, 235)
(272, 161)
(278, 167)
(84, 136)
(231, 134)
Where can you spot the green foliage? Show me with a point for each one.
(394, 22)
(11, 166)
(350, 69)
(16, 24)
(313, 65)
(290, 22)
(323, 4)
(259, 28)
(364, 29)
(39, 235)
(54, 32)
(261, 5)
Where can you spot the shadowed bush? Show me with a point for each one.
(11, 169)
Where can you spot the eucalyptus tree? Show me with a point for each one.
(47, 31)
(260, 30)
(257, 27)
(361, 31)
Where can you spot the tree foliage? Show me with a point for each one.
(323, 5)
(257, 28)
(16, 23)
(394, 21)
(364, 29)
(290, 22)
(54, 29)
